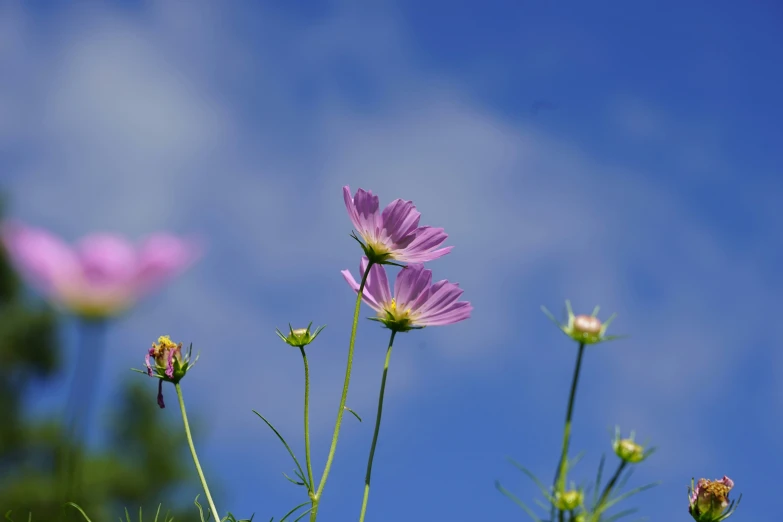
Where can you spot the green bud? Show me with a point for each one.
(300, 337)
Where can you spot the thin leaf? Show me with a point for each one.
(8, 515)
(598, 480)
(200, 511)
(620, 515)
(293, 511)
(349, 410)
(624, 496)
(576, 460)
(300, 517)
(544, 489)
(80, 510)
(624, 480)
(518, 502)
(290, 451)
(293, 481)
(157, 513)
(127, 515)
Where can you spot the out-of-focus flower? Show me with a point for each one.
(103, 274)
(166, 362)
(586, 329)
(628, 450)
(416, 303)
(300, 337)
(709, 500)
(394, 234)
(569, 500)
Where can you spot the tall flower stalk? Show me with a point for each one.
(415, 304)
(341, 411)
(80, 402)
(204, 486)
(368, 474)
(560, 474)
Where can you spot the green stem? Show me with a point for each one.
(193, 453)
(560, 475)
(307, 418)
(609, 486)
(343, 397)
(377, 427)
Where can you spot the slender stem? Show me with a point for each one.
(307, 418)
(560, 474)
(193, 453)
(377, 427)
(79, 405)
(610, 485)
(341, 409)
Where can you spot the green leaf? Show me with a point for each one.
(290, 451)
(300, 517)
(624, 496)
(349, 410)
(297, 508)
(620, 515)
(518, 502)
(80, 510)
(293, 481)
(200, 511)
(544, 489)
(598, 480)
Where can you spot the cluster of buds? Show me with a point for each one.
(584, 329)
(166, 361)
(709, 500)
(629, 450)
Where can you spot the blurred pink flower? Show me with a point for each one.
(103, 274)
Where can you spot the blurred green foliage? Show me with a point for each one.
(144, 463)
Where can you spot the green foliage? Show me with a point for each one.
(145, 458)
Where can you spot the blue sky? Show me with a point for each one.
(651, 188)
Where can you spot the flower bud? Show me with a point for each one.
(300, 337)
(709, 501)
(585, 329)
(628, 450)
(569, 500)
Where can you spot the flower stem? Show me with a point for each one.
(377, 427)
(344, 395)
(79, 406)
(307, 418)
(193, 453)
(609, 486)
(560, 474)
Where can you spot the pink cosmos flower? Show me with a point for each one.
(394, 234)
(103, 274)
(416, 303)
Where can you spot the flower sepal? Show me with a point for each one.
(377, 254)
(300, 337)
(395, 323)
